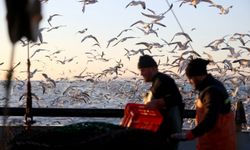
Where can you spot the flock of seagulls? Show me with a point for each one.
(178, 46)
(147, 27)
(223, 10)
(179, 43)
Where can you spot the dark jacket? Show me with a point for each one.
(215, 99)
(164, 86)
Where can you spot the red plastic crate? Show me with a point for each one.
(138, 116)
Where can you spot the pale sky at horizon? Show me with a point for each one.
(106, 19)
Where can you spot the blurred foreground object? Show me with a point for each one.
(23, 17)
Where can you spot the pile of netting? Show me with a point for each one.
(85, 136)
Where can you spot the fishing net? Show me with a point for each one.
(85, 136)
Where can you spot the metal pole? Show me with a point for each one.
(28, 110)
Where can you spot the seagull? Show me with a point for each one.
(150, 45)
(123, 40)
(32, 73)
(182, 46)
(134, 3)
(125, 30)
(194, 2)
(244, 47)
(227, 64)
(38, 50)
(141, 51)
(157, 17)
(127, 53)
(49, 79)
(183, 65)
(40, 36)
(243, 62)
(54, 53)
(223, 11)
(26, 94)
(184, 34)
(213, 47)
(232, 51)
(56, 27)
(24, 42)
(65, 60)
(12, 69)
(215, 44)
(150, 30)
(52, 16)
(166, 42)
(147, 25)
(241, 34)
(240, 39)
(210, 57)
(111, 40)
(193, 29)
(82, 31)
(38, 44)
(89, 36)
(87, 2)
(190, 52)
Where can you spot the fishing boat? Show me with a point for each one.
(77, 135)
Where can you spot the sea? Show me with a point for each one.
(112, 93)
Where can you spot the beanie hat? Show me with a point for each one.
(146, 61)
(197, 67)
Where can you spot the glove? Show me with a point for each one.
(183, 136)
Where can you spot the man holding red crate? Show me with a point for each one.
(165, 96)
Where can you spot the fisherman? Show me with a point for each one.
(165, 96)
(215, 125)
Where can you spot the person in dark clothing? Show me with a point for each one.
(165, 96)
(215, 126)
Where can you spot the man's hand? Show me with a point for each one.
(183, 136)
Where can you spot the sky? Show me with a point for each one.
(104, 20)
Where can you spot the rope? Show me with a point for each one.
(177, 20)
